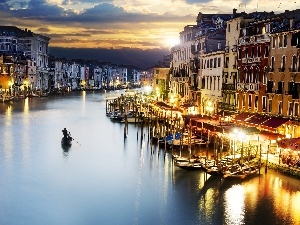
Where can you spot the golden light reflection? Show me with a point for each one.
(235, 205)
(286, 202)
(26, 106)
(8, 137)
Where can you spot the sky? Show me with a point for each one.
(150, 26)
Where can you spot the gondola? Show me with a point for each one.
(66, 141)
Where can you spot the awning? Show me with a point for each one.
(242, 116)
(291, 143)
(267, 135)
(274, 122)
(256, 119)
(225, 113)
(247, 130)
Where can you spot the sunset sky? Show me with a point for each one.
(141, 24)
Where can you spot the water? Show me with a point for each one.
(103, 179)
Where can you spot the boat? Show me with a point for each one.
(66, 141)
(241, 172)
(191, 163)
(190, 166)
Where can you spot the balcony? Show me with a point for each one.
(244, 60)
(226, 106)
(234, 48)
(250, 60)
(248, 86)
(226, 49)
(256, 59)
(262, 38)
(228, 87)
(292, 69)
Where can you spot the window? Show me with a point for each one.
(252, 52)
(284, 40)
(270, 106)
(272, 63)
(258, 51)
(156, 71)
(250, 101)
(280, 107)
(273, 42)
(294, 63)
(267, 51)
(264, 103)
(226, 62)
(256, 102)
(219, 62)
(290, 110)
(228, 27)
(211, 63)
(280, 41)
(296, 109)
(283, 63)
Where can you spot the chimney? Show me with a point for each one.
(234, 13)
(292, 22)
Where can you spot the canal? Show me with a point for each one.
(106, 179)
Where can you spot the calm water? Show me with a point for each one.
(103, 179)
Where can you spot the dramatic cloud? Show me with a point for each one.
(138, 24)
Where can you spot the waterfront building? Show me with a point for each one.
(121, 76)
(195, 40)
(211, 81)
(24, 45)
(229, 101)
(253, 53)
(160, 85)
(283, 85)
(179, 68)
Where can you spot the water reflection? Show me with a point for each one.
(109, 179)
(234, 205)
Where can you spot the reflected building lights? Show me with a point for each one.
(235, 205)
(285, 202)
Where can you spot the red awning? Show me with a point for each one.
(267, 135)
(274, 122)
(256, 119)
(242, 116)
(291, 143)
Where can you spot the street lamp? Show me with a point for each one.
(10, 87)
(235, 135)
(209, 108)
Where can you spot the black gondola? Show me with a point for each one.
(66, 141)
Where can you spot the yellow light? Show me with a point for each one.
(171, 41)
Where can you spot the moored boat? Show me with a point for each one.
(241, 172)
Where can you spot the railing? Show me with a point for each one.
(256, 59)
(248, 86)
(226, 49)
(228, 87)
(234, 48)
(244, 60)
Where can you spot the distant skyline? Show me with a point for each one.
(117, 24)
(142, 59)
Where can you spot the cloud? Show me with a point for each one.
(197, 1)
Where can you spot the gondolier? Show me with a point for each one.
(65, 133)
(67, 139)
